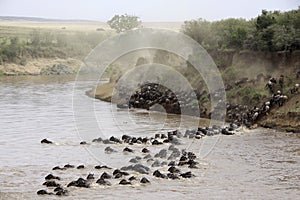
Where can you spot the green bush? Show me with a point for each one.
(270, 31)
(48, 44)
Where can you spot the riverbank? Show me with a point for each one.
(245, 76)
(42, 66)
(102, 92)
(286, 117)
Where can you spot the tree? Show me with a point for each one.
(265, 19)
(199, 30)
(124, 22)
(231, 33)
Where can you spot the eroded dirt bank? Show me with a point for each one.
(285, 118)
(245, 75)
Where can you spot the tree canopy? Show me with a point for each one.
(270, 31)
(124, 22)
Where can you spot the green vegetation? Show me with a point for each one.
(270, 31)
(21, 45)
(124, 22)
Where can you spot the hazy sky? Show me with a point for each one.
(147, 10)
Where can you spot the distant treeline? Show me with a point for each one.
(270, 31)
(40, 43)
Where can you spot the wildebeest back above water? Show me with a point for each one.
(153, 96)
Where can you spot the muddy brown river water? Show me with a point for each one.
(256, 164)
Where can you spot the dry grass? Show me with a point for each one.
(65, 26)
(78, 26)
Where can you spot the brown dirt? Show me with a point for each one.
(285, 118)
(249, 64)
(102, 92)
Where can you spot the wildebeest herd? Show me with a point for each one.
(243, 115)
(150, 94)
(171, 161)
(167, 161)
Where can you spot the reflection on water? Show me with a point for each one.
(255, 164)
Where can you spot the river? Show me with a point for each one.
(257, 164)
